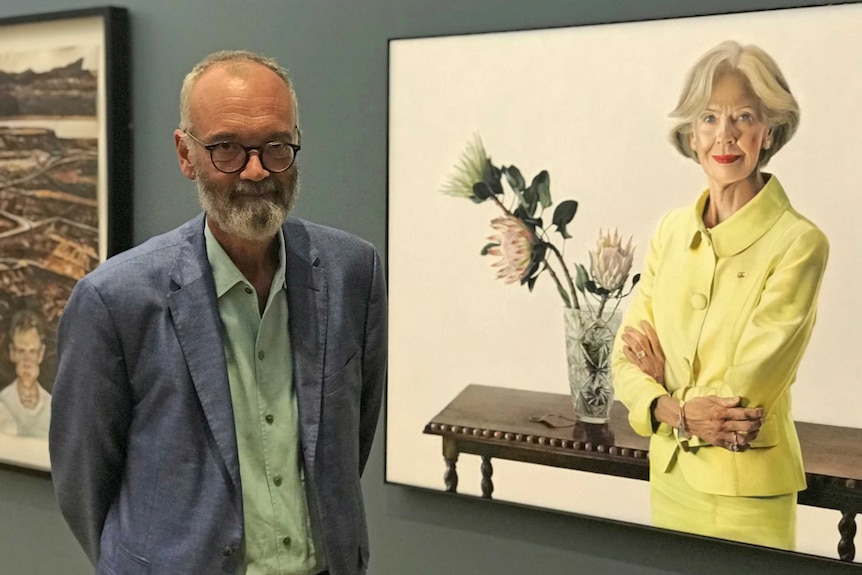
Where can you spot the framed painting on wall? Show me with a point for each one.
(65, 196)
(531, 169)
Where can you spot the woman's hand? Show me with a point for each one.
(644, 350)
(722, 422)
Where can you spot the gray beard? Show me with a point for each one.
(249, 210)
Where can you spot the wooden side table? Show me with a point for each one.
(519, 425)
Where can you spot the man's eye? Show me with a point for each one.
(225, 147)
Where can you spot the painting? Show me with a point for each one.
(571, 127)
(64, 196)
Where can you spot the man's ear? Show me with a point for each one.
(183, 151)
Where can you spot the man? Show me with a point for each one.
(219, 386)
(25, 406)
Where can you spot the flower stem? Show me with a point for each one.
(568, 275)
(602, 306)
(557, 281)
(502, 207)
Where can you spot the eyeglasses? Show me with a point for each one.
(232, 157)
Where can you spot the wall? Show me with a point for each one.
(337, 53)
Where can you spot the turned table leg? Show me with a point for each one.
(487, 472)
(847, 529)
(450, 454)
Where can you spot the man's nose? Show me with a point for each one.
(254, 169)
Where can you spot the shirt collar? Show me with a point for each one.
(747, 225)
(225, 273)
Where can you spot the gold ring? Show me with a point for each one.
(640, 354)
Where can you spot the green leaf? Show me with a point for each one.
(542, 187)
(496, 187)
(635, 279)
(564, 295)
(581, 278)
(537, 256)
(488, 247)
(563, 214)
(482, 191)
(521, 213)
(534, 222)
(594, 289)
(514, 177)
(531, 200)
(538, 253)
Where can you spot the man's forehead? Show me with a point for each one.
(241, 92)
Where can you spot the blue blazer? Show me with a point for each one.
(142, 441)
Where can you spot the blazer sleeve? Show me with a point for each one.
(91, 413)
(776, 335)
(374, 356)
(634, 388)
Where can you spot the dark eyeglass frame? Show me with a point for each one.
(247, 149)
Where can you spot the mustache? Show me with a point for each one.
(249, 188)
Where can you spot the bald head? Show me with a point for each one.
(233, 63)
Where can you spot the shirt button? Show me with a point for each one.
(698, 301)
(269, 418)
(227, 551)
(248, 290)
(260, 355)
(287, 541)
(277, 480)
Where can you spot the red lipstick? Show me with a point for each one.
(726, 159)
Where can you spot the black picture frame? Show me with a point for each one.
(65, 190)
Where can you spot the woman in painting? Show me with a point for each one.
(724, 312)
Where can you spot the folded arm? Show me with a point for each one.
(731, 412)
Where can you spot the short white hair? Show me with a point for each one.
(778, 107)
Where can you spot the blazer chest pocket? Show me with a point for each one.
(349, 374)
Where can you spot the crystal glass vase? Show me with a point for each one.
(589, 343)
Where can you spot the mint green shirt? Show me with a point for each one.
(278, 533)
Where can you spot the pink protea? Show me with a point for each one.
(611, 263)
(514, 248)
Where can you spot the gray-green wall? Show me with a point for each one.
(336, 51)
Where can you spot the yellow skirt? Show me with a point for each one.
(768, 521)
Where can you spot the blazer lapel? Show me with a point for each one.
(194, 309)
(307, 302)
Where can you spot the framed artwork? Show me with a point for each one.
(565, 133)
(65, 196)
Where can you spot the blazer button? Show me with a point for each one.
(228, 551)
(698, 301)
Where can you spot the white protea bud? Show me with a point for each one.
(610, 262)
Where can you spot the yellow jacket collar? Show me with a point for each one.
(747, 225)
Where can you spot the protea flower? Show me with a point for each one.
(611, 263)
(475, 166)
(514, 246)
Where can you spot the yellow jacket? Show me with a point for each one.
(734, 307)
